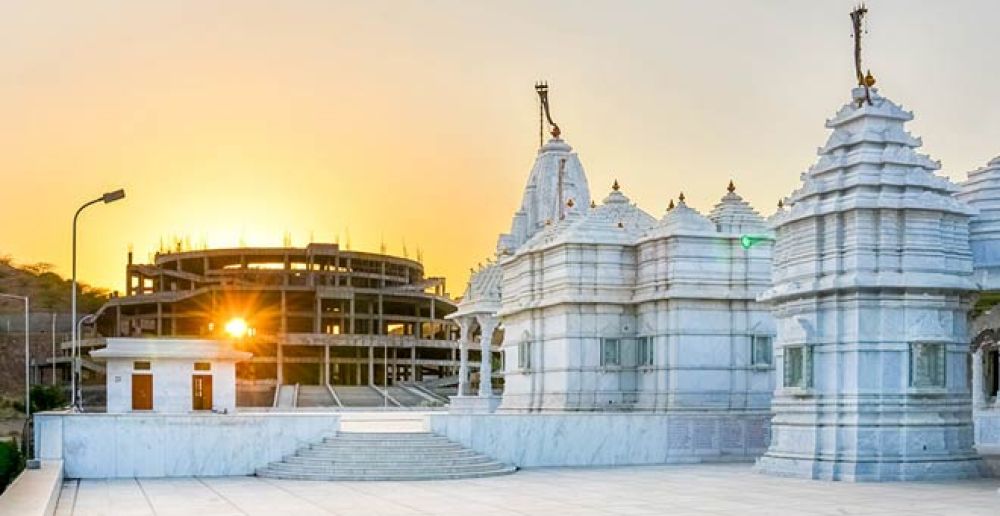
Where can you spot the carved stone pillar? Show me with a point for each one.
(486, 326)
(978, 396)
(465, 327)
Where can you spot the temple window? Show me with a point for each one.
(797, 362)
(760, 350)
(611, 352)
(927, 361)
(644, 347)
(524, 354)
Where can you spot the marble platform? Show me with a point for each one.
(183, 445)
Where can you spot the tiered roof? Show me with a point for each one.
(869, 149)
(982, 191)
(734, 215)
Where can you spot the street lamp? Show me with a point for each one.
(27, 354)
(108, 197)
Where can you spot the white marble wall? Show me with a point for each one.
(160, 445)
(607, 439)
(171, 384)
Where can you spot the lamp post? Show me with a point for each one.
(87, 319)
(108, 197)
(27, 353)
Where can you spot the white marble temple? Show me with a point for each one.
(616, 311)
(174, 445)
(872, 285)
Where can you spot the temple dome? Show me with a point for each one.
(735, 216)
(681, 219)
(546, 194)
(616, 221)
(482, 294)
(869, 168)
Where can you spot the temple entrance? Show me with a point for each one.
(142, 392)
(201, 392)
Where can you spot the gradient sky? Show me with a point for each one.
(233, 121)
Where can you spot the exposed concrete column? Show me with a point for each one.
(318, 320)
(326, 363)
(159, 319)
(978, 396)
(487, 324)
(279, 342)
(465, 327)
(371, 364)
(413, 363)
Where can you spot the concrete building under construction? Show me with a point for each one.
(316, 317)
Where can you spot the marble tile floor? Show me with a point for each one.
(686, 489)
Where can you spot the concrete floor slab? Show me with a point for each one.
(681, 489)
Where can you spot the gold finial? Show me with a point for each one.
(869, 79)
(680, 197)
(593, 204)
(570, 203)
(731, 188)
(781, 204)
(671, 205)
(616, 186)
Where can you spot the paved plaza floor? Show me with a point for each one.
(687, 489)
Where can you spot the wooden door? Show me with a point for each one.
(142, 392)
(201, 392)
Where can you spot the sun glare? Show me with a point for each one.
(236, 327)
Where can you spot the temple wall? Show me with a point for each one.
(160, 445)
(609, 439)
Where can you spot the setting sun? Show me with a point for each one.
(236, 327)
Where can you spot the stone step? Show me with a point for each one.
(381, 436)
(384, 456)
(436, 451)
(394, 444)
(389, 461)
(506, 470)
(361, 469)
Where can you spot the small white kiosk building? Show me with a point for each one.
(170, 375)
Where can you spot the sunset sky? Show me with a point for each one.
(230, 121)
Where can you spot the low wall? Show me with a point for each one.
(608, 439)
(987, 431)
(183, 445)
(34, 492)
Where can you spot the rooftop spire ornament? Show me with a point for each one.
(680, 198)
(731, 188)
(671, 205)
(616, 186)
(542, 88)
(858, 23)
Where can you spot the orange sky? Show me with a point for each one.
(416, 121)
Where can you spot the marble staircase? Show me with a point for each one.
(384, 456)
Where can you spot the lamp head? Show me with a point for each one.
(113, 196)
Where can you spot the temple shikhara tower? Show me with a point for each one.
(872, 287)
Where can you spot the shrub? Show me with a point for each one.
(11, 463)
(47, 397)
